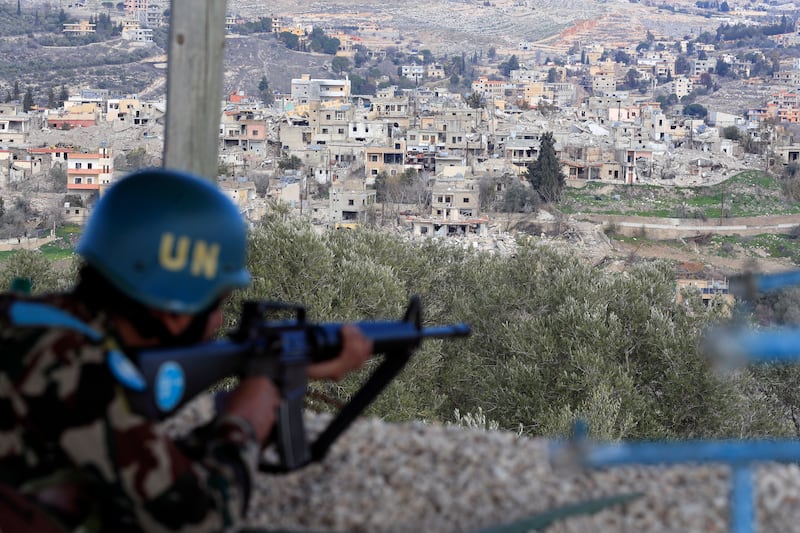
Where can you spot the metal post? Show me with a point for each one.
(740, 455)
(194, 86)
(742, 507)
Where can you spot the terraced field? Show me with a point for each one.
(453, 26)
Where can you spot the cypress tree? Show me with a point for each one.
(545, 174)
(27, 102)
(63, 96)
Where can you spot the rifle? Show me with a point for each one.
(282, 349)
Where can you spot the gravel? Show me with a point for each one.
(382, 477)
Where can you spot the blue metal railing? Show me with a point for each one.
(729, 347)
(739, 455)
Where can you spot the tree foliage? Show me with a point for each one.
(319, 42)
(545, 174)
(27, 100)
(340, 64)
(264, 91)
(262, 25)
(553, 338)
(475, 100)
(290, 163)
(290, 40)
(507, 66)
(34, 266)
(695, 110)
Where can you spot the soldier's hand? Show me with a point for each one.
(256, 399)
(356, 349)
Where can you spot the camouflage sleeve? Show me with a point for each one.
(165, 488)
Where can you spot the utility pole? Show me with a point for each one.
(194, 86)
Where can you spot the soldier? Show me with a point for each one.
(162, 251)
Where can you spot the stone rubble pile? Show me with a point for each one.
(381, 477)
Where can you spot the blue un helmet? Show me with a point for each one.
(167, 239)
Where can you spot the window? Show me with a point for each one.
(351, 202)
(374, 172)
(77, 181)
(373, 157)
(88, 165)
(466, 200)
(340, 131)
(77, 165)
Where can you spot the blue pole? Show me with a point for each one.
(758, 346)
(759, 283)
(741, 500)
(691, 451)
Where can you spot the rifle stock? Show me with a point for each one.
(281, 349)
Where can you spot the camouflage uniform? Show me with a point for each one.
(70, 442)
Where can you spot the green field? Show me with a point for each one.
(63, 247)
(750, 193)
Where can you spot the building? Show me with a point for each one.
(90, 172)
(710, 290)
(138, 35)
(79, 116)
(14, 125)
(305, 90)
(51, 156)
(351, 201)
(84, 27)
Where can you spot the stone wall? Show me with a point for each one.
(675, 228)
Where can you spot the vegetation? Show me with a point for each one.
(751, 193)
(630, 365)
(262, 25)
(545, 174)
(41, 19)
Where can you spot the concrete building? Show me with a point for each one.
(305, 90)
(351, 201)
(14, 125)
(90, 172)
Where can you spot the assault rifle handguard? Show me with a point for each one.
(282, 349)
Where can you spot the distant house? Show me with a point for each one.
(84, 27)
(78, 116)
(90, 172)
(305, 89)
(350, 201)
(240, 192)
(710, 290)
(138, 35)
(14, 125)
(51, 156)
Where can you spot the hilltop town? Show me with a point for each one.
(360, 115)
